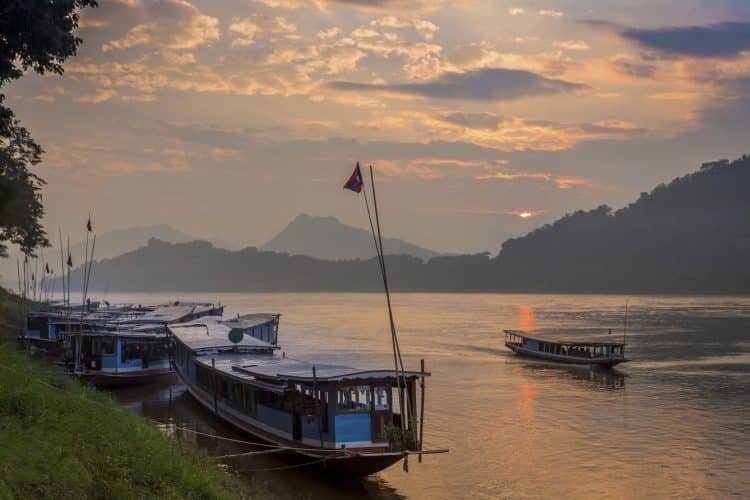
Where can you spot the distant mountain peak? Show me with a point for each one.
(325, 237)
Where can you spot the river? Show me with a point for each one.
(675, 421)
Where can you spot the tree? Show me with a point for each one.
(37, 35)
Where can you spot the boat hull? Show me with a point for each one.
(352, 465)
(570, 360)
(101, 379)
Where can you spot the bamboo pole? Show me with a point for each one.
(91, 264)
(317, 399)
(421, 410)
(62, 265)
(215, 386)
(394, 337)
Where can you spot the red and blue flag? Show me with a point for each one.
(355, 181)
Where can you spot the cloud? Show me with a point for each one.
(329, 33)
(634, 69)
(176, 24)
(425, 28)
(490, 84)
(367, 5)
(571, 45)
(516, 11)
(551, 13)
(722, 40)
(364, 33)
(97, 97)
(561, 181)
(519, 134)
(258, 25)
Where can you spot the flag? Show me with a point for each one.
(70, 260)
(88, 225)
(355, 181)
(46, 268)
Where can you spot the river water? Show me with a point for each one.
(674, 422)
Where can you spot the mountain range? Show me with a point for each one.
(327, 238)
(691, 235)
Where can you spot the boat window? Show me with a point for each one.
(354, 399)
(131, 350)
(158, 351)
(203, 377)
(381, 398)
(107, 345)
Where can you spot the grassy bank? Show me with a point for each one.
(59, 439)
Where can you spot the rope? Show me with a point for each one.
(252, 443)
(249, 453)
(283, 467)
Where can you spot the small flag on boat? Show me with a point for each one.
(355, 181)
(88, 225)
(70, 260)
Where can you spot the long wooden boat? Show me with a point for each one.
(120, 358)
(338, 418)
(50, 328)
(605, 354)
(131, 349)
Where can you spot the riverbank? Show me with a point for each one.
(60, 439)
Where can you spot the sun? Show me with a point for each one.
(525, 215)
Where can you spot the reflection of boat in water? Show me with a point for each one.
(340, 418)
(599, 377)
(604, 354)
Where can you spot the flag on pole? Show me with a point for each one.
(46, 268)
(88, 225)
(70, 260)
(355, 181)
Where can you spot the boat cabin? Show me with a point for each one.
(124, 357)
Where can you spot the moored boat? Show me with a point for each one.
(605, 354)
(118, 358)
(132, 348)
(339, 418)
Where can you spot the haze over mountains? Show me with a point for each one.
(692, 235)
(327, 238)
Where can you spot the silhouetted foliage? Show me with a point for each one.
(691, 235)
(37, 35)
(21, 207)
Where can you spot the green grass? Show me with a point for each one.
(60, 439)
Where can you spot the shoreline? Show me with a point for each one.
(62, 439)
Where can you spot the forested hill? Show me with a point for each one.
(692, 235)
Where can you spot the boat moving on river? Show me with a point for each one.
(604, 354)
(339, 418)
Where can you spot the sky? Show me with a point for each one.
(227, 118)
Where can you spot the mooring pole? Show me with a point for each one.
(215, 384)
(318, 397)
(421, 411)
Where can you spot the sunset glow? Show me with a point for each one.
(455, 103)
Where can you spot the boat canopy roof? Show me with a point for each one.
(575, 343)
(212, 332)
(279, 370)
(170, 313)
(120, 334)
